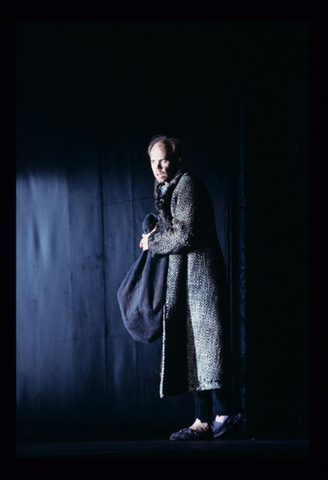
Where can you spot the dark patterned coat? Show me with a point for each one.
(195, 323)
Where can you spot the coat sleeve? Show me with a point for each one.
(180, 235)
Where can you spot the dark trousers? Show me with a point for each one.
(210, 403)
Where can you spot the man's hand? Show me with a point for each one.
(144, 240)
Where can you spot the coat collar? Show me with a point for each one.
(171, 185)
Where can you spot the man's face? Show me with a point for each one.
(163, 169)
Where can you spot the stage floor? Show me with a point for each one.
(57, 442)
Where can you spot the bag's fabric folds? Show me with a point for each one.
(142, 293)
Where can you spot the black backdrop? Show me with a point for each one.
(90, 95)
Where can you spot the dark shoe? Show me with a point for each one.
(189, 434)
(220, 428)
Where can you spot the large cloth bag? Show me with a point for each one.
(141, 295)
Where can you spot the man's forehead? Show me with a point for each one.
(158, 149)
(159, 146)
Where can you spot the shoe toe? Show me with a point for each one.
(189, 434)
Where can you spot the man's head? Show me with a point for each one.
(165, 157)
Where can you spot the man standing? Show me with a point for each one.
(194, 355)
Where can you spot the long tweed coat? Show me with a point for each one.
(195, 334)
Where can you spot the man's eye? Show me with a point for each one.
(163, 160)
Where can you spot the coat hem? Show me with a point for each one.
(192, 388)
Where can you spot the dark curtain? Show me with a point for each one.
(90, 95)
(276, 132)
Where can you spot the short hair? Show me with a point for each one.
(172, 146)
